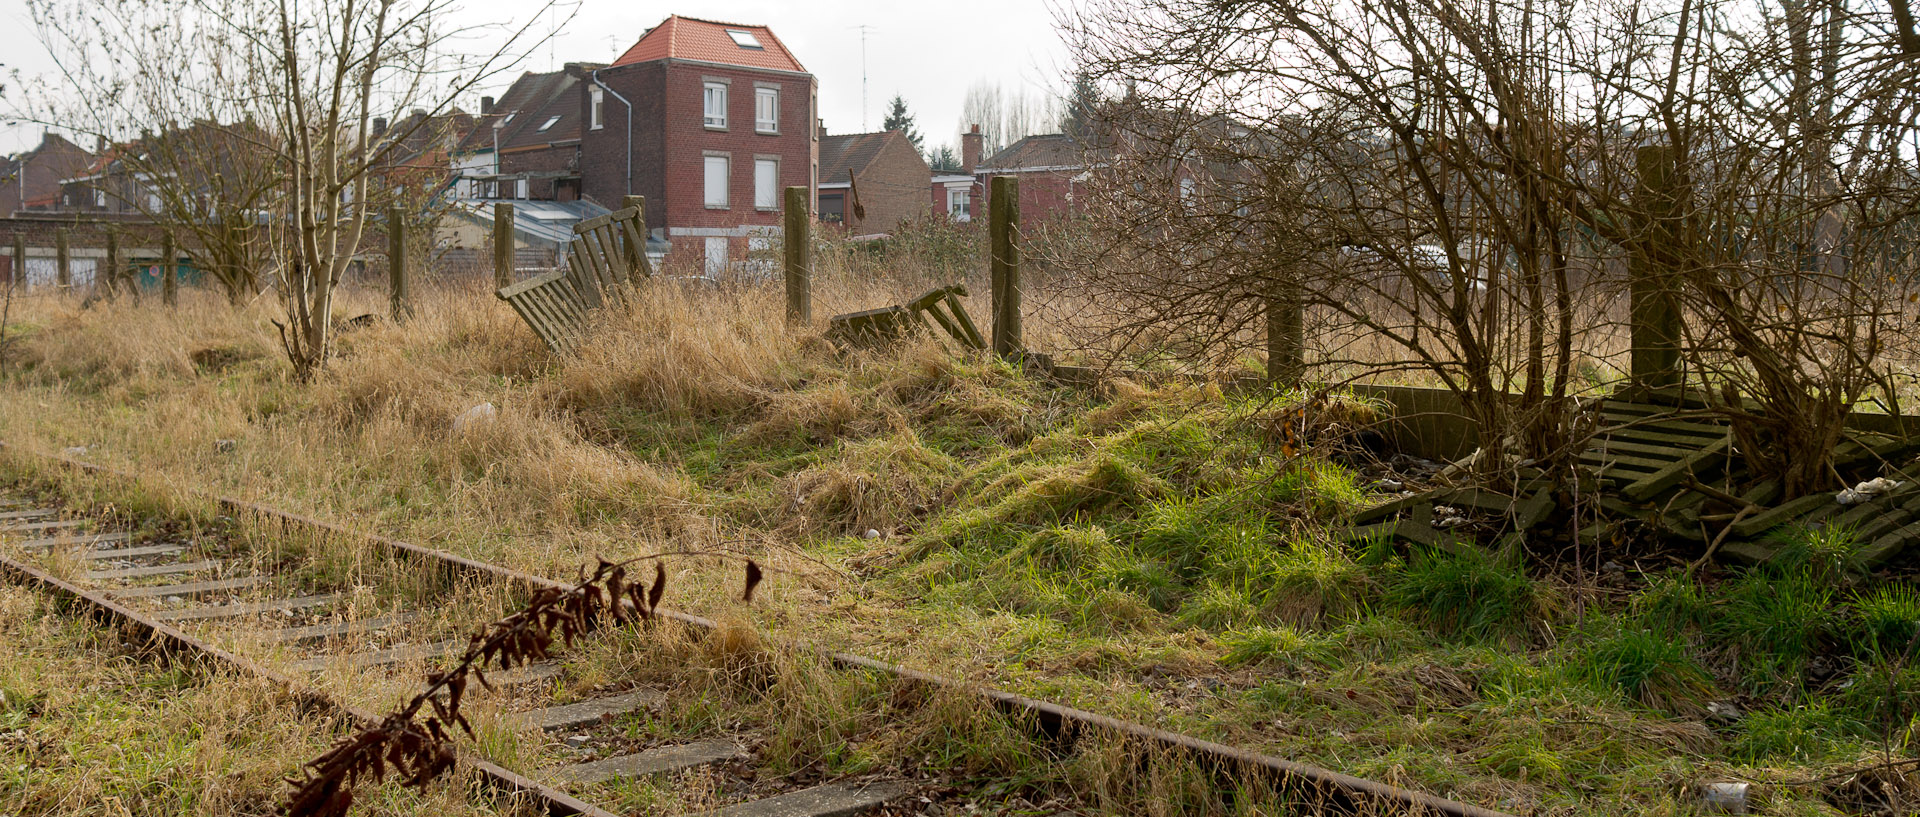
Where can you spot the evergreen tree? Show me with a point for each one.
(1082, 105)
(943, 158)
(898, 119)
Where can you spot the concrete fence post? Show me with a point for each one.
(1654, 316)
(1286, 334)
(503, 262)
(63, 259)
(798, 240)
(397, 263)
(1003, 204)
(169, 271)
(20, 261)
(107, 276)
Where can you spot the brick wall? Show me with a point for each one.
(670, 142)
(892, 188)
(603, 158)
(688, 140)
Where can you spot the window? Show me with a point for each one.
(833, 207)
(1187, 186)
(548, 124)
(100, 199)
(766, 110)
(717, 167)
(716, 103)
(960, 203)
(520, 188)
(744, 39)
(594, 100)
(766, 184)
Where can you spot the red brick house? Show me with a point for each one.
(881, 173)
(31, 180)
(1049, 167)
(710, 121)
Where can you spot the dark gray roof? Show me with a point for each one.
(1043, 150)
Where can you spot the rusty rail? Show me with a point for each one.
(177, 644)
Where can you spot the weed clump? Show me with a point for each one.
(1468, 594)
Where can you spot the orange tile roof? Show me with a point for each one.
(688, 38)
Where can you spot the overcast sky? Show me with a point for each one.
(931, 54)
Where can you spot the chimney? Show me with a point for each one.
(379, 125)
(970, 145)
(100, 143)
(486, 105)
(419, 111)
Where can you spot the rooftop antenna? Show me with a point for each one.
(863, 29)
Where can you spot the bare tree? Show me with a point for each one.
(302, 84)
(1473, 191)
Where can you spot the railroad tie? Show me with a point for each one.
(30, 527)
(246, 608)
(174, 569)
(585, 713)
(189, 589)
(831, 800)
(396, 655)
(85, 539)
(36, 513)
(656, 761)
(315, 633)
(128, 553)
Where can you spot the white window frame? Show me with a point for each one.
(100, 198)
(766, 109)
(707, 165)
(766, 196)
(714, 117)
(960, 203)
(551, 121)
(520, 188)
(595, 99)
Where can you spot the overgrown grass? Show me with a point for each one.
(1148, 552)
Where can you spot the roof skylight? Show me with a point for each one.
(549, 124)
(744, 39)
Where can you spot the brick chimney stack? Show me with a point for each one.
(486, 105)
(970, 146)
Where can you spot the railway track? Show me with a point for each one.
(222, 601)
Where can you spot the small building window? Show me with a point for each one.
(833, 207)
(595, 97)
(766, 184)
(717, 169)
(520, 188)
(716, 104)
(100, 199)
(766, 110)
(960, 203)
(548, 124)
(744, 39)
